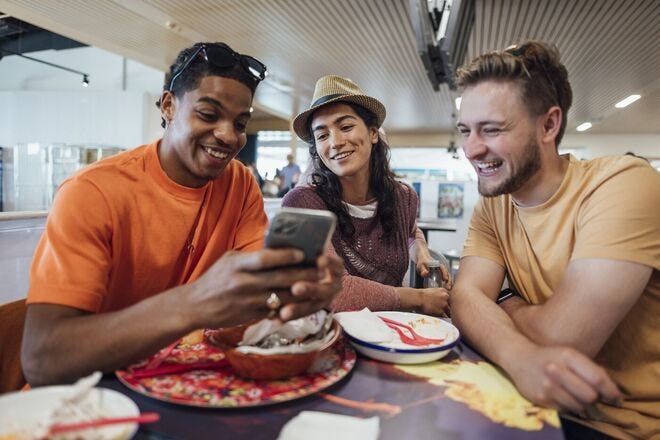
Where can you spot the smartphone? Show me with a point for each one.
(309, 230)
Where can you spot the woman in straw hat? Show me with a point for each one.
(351, 176)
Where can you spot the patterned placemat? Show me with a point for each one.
(222, 388)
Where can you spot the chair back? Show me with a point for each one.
(12, 321)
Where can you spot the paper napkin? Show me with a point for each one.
(366, 326)
(328, 426)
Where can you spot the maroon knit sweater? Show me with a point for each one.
(374, 265)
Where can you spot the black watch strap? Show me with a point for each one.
(506, 294)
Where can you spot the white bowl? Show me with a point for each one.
(397, 352)
(19, 410)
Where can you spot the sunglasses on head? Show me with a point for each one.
(220, 55)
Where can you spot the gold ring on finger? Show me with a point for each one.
(273, 302)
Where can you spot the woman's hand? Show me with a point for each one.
(422, 265)
(433, 301)
(423, 270)
(422, 260)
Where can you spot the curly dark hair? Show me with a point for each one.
(535, 65)
(199, 68)
(382, 181)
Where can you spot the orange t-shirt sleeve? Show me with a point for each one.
(251, 228)
(73, 259)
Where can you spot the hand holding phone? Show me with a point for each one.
(309, 230)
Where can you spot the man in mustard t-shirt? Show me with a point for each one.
(578, 242)
(149, 245)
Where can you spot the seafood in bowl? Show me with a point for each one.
(270, 349)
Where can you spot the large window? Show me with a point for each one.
(432, 163)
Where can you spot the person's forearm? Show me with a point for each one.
(487, 328)
(537, 324)
(410, 299)
(521, 312)
(77, 345)
(358, 293)
(608, 287)
(418, 249)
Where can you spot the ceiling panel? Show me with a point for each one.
(610, 47)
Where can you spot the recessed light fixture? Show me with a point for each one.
(627, 101)
(584, 126)
(457, 101)
(85, 81)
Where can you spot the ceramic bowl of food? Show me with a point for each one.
(254, 363)
(395, 350)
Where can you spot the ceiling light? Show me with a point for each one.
(627, 101)
(584, 127)
(457, 101)
(85, 81)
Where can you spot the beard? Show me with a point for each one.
(527, 168)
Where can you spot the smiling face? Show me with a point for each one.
(343, 141)
(206, 129)
(499, 138)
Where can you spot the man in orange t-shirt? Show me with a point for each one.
(146, 246)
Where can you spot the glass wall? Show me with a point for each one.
(31, 172)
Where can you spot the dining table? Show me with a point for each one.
(461, 396)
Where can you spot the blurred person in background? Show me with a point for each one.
(288, 175)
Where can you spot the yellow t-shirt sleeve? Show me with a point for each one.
(620, 219)
(481, 240)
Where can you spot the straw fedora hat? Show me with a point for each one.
(330, 89)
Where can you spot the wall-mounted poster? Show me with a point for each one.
(450, 200)
(417, 186)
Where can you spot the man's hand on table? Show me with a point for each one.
(561, 378)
